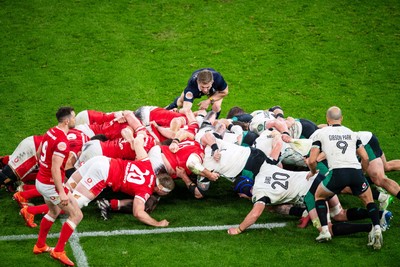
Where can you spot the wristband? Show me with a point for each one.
(214, 147)
(229, 127)
(176, 139)
(286, 133)
(239, 230)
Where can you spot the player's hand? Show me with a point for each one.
(286, 138)
(120, 119)
(180, 171)
(173, 147)
(217, 155)
(204, 104)
(163, 223)
(310, 174)
(213, 176)
(233, 231)
(63, 198)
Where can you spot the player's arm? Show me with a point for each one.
(56, 162)
(133, 121)
(127, 134)
(280, 125)
(218, 95)
(362, 153)
(144, 217)
(312, 159)
(72, 158)
(208, 139)
(277, 144)
(250, 219)
(195, 164)
(38, 151)
(138, 144)
(192, 187)
(187, 105)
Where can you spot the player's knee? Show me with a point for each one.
(82, 200)
(337, 213)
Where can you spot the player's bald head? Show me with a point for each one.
(334, 114)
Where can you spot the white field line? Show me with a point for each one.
(80, 255)
(78, 251)
(144, 232)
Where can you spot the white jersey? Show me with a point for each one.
(296, 129)
(280, 185)
(202, 131)
(143, 113)
(234, 135)
(85, 129)
(233, 159)
(90, 150)
(264, 143)
(23, 160)
(260, 120)
(339, 144)
(364, 136)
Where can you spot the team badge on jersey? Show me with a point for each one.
(189, 95)
(72, 136)
(62, 146)
(364, 186)
(260, 127)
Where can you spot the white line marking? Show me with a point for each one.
(150, 231)
(76, 247)
(78, 251)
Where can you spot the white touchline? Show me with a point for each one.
(80, 255)
(78, 251)
(150, 231)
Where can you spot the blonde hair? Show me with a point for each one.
(205, 76)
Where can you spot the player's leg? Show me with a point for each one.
(321, 194)
(375, 238)
(74, 218)
(391, 165)
(377, 174)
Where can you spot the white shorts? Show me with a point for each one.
(48, 191)
(23, 160)
(94, 175)
(85, 129)
(90, 150)
(145, 114)
(82, 118)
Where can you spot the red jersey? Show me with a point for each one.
(118, 148)
(111, 129)
(37, 139)
(179, 159)
(191, 128)
(55, 142)
(149, 140)
(99, 117)
(163, 117)
(135, 178)
(76, 139)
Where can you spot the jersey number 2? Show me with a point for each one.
(280, 179)
(136, 176)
